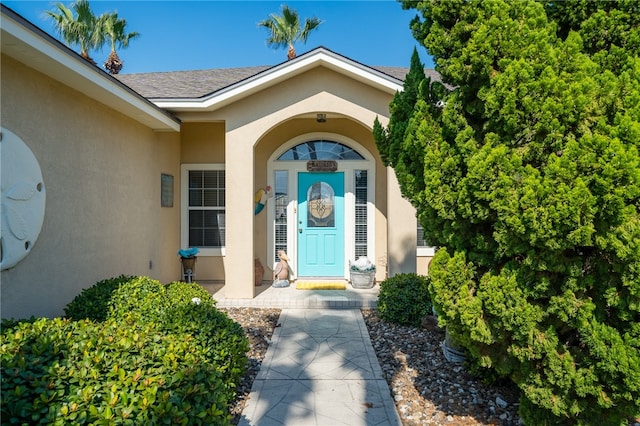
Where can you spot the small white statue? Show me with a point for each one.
(281, 271)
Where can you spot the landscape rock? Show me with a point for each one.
(428, 390)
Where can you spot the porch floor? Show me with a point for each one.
(290, 297)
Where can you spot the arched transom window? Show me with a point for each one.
(320, 150)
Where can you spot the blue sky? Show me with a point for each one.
(190, 35)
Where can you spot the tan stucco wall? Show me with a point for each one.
(317, 90)
(203, 142)
(101, 172)
(423, 263)
(402, 229)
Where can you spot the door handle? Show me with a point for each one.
(300, 230)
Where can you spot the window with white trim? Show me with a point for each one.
(281, 201)
(206, 208)
(422, 246)
(421, 241)
(361, 222)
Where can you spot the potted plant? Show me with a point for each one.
(188, 259)
(363, 273)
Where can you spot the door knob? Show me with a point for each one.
(300, 230)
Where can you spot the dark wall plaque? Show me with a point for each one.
(322, 166)
(166, 190)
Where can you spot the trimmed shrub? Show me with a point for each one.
(9, 323)
(162, 355)
(181, 292)
(139, 299)
(93, 302)
(404, 299)
(172, 309)
(80, 372)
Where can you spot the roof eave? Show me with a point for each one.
(31, 46)
(279, 73)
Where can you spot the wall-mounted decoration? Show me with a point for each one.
(23, 199)
(322, 166)
(261, 197)
(166, 190)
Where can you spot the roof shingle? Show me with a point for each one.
(199, 83)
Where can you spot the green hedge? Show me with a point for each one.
(404, 299)
(163, 355)
(92, 303)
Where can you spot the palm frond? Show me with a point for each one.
(285, 29)
(77, 25)
(309, 25)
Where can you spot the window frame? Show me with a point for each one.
(321, 154)
(184, 206)
(423, 251)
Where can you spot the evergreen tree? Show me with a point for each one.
(397, 145)
(528, 179)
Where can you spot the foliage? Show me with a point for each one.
(285, 29)
(140, 299)
(114, 29)
(78, 25)
(404, 299)
(163, 355)
(406, 156)
(9, 323)
(172, 309)
(80, 372)
(93, 302)
(527, 175)
(184, 293)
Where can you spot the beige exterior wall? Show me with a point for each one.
(101, 172)
(423, 263)
(401, 230)
(203, 142)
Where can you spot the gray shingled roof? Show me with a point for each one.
(196, 84)
(186, 84)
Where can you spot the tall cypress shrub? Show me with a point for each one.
(530, 185)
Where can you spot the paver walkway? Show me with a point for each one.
(320, 370)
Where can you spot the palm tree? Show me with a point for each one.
(285, 29)
(114, 30)
(81, 29)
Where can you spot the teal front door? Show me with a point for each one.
(321, 224)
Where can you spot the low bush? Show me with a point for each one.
(181, 292)
(162, 355)
(93, 302)
(140, 299)
(80, 372)
(404, 299)
(187, 309)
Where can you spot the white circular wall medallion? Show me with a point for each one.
(23, 199)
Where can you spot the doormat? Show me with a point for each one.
(321, 285)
